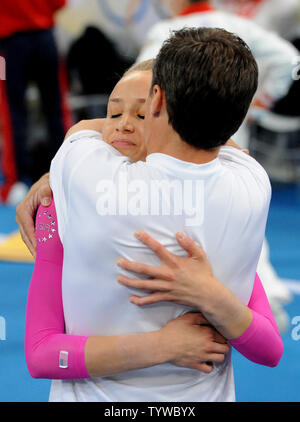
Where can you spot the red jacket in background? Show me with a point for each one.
(27, 15)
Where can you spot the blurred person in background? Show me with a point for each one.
(275, 58)
(275, 15)
(29, 48)
(284, 19)
(93, 74)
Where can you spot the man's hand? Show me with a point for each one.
(183, 280)
(192, 343)
(39, 193)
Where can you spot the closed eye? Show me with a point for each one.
(114, 116)
(140, 116)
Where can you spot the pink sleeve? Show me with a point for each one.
(261, 342)
(49, 352)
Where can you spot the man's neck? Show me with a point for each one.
(192, 155)
(169, 142)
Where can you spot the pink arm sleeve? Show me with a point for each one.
(261, 342)
(49, 352)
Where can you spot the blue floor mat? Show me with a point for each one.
(253, 382)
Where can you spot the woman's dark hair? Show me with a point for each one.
(209, 77)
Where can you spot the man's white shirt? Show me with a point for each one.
(101, 199)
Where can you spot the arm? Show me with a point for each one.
(40, 192)
(251, 329)
(92, 124)
(181, 342)
(44, 328)
(261, 342)
(190, 282)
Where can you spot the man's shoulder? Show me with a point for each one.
(238, 160)
(246, 170)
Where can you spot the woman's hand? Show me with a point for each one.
(188, 281)
(39, 193)
(192, 343)
(186, 341)
(184, 280)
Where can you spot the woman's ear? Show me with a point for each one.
(157, 98)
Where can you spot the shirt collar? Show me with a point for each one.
(197, 8)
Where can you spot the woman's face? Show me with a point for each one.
(124, 125)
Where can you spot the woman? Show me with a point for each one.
(181, 341)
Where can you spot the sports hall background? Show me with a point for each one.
(254, 383)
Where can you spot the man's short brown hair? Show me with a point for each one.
(209, 77)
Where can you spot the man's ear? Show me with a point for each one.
(157, 99)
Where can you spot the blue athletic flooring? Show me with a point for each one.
(254, 383)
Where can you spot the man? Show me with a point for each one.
(275, 57)
(220, 197)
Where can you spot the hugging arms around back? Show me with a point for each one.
(51, 353)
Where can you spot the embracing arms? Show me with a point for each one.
(189, 280)
(50, 353)
(192, 345)
(107, 355)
